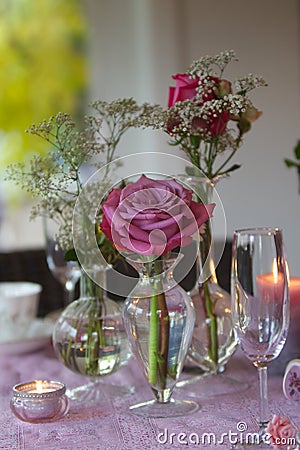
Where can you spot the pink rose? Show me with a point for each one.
(280, 429)
(152, 217)
(185, 89)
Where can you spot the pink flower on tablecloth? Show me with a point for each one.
(280, 430)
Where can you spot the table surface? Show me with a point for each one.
(110, 425)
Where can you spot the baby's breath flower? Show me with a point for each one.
(55, 179)
(206, 63)
(249, 82)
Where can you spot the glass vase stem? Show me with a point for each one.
(69, 292)
(263, 397)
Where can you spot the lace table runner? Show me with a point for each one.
(109, 424)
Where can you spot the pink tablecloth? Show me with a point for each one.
(109, 425)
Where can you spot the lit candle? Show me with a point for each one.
(42, 387)
(39, 401)
(293, 339)
(291, 349)
(295, 291)
(270, 286)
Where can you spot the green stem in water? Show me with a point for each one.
(164, 335)
(208, 305)
(92, 344)
(67, 354)
(213, 328)
(153, 341)
(95, 334)
(159, 332)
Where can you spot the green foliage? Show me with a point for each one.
(290, 163)
(297, 150)
(42, 69)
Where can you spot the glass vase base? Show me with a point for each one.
(98, 392)
(174, 408)
(211, 385)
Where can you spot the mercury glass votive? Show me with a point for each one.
(39, 401)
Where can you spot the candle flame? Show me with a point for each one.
(39, 386)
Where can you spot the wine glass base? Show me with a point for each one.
(174, 408)
(211, 385)
(98, 392)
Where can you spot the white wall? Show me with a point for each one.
(138, 44)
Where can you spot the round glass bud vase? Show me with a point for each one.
(214, 340)
(159, 320)
(89, 338)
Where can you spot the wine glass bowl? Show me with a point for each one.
(260, 301)
(66, 272)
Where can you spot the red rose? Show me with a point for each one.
(215, 124)
(185, 89)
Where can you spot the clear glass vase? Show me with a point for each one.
(214, 341)
(89, 339)
(159, 319)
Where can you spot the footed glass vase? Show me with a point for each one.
(89, 339)
(159, 319)
(214, 341)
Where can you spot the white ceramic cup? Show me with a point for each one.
(18, 308)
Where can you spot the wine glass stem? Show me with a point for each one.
(69, 291)
(263, 397)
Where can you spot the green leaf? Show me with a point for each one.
(71, 255)
(232, 168)
(192, 171)
(297, 150)
(290, 163)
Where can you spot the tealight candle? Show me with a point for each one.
(40, 387)
(39, 401)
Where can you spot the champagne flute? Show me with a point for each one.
(260, 303)
(66, 272)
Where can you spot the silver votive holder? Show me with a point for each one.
(39, 401)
